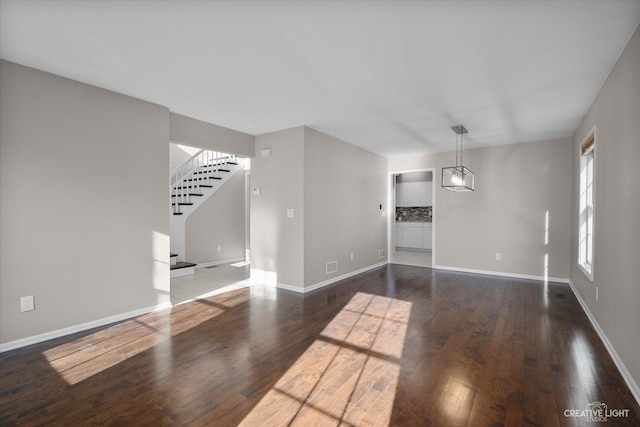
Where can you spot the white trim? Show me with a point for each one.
(330, 281)
(501, 273)
(291, 288)
(588, 272)
(215, 263)
(34, 339)
(180, 272)
(626, 375)
(391, 210)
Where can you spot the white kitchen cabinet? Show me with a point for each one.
(401, 194)
(413, 194)
(413, 235)
(416, 193)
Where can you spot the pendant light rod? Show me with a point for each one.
(460, 130)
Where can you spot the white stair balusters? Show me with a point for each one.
(201, 171)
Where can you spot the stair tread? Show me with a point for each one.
(172, 255)
(182, 204)
(181, 264)
(217, 164)
(190, 194)
(177, 213)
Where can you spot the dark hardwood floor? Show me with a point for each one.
(399, 345)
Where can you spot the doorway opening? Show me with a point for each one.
(411, 231)
(209, 221)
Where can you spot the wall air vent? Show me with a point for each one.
(332, 267)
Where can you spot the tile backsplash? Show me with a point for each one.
(415, 214)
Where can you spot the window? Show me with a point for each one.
(585, 209)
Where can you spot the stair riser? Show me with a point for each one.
(178, 222)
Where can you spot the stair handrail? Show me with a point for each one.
(185, 175)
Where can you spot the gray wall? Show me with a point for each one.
(343, 188)
(281, 180)
(220, 220)
(615, 114)
(334, 188)
(177, 157)
(201, 134)
(84, 218)
(515, 186)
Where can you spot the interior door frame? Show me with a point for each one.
(391, 211)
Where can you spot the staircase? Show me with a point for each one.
(181, 268)
(191, 184)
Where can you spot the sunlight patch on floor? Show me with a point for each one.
(80, 359)
(348, 375)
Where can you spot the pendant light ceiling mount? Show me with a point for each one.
(458, 178)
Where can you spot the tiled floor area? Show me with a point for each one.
(209, 281)
(416, 258)
(224, 278)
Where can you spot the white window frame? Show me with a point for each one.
(586, 205)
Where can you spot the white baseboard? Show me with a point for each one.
(329, 281)
(215, 263)
(23, 342)
(501, 273)
(286, 287)
(626, 375)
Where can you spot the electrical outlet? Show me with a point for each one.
(597, 293)
(498, 256)
(219, 248)
(351, 256)
(27, 304)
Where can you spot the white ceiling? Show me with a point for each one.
(391, 77)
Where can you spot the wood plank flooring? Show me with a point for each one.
(399, 345)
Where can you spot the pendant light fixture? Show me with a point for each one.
(458, 178)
